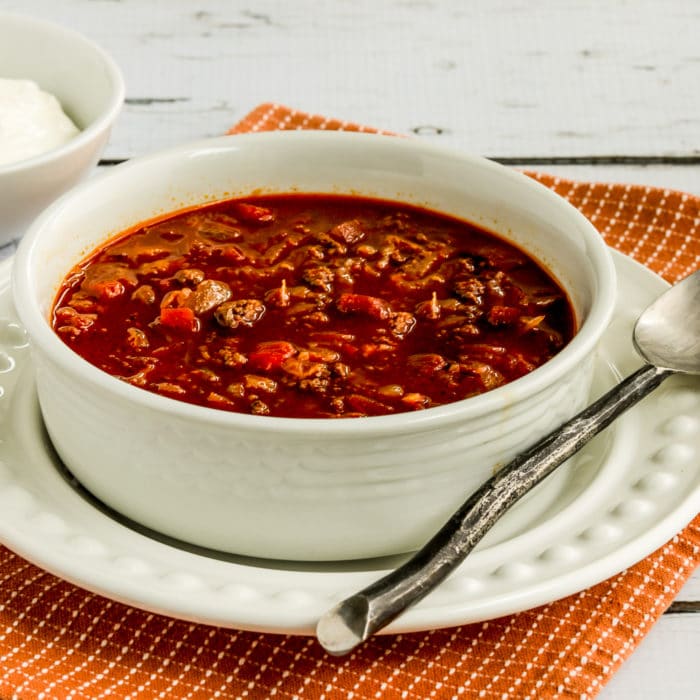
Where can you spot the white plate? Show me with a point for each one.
(627, 493)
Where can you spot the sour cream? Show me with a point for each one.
(31, 121)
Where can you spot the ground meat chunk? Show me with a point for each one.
(82, 303)
(259, 408)
(156, 267)
(302, 368)
(471, 289)
(349, 231)
(315, 318)
(144, 294)
(241, 312)
(68, 316)
(399, 250)
(421, 264)
(429, 309)
(189, 275)
(318, 385)
(136, 338)
(237, 390)
(490, 377)
(426, 364)
(401, 323)
(320, 277)
(216, 226)
(279, 296)
(208, 295)
(467, 330)
(258, 383)
(340, 369)
(231, 357)
(496, 285)
(330, 244)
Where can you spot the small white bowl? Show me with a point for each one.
(302, 488)
(90, 88)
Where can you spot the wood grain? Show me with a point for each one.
(506, 78)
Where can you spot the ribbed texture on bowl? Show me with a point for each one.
(293, 488)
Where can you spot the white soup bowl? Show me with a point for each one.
(287, 488)
(90, 88)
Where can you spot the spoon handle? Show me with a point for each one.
(358, 617)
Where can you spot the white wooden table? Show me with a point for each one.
(589, 89)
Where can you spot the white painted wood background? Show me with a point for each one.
(596, 89)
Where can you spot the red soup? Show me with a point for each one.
(312, 306)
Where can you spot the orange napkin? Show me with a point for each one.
(59, 641)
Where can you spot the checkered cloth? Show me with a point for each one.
(59, 641)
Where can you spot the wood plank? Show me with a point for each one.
(500, 77)
(665, 665)
(691, 591)
(673, 177)
(668, 176)
(681, 607)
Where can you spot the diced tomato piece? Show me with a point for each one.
(232, 254)
(271, 354)
(503, 315)
(180, 319)
(364, 304)
(349, 350)
(254, 214)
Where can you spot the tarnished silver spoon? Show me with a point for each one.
(666, 335)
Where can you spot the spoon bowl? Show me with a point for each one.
(666, 335)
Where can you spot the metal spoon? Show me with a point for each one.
(666, 335)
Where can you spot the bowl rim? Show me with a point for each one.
(583, 342)
(97, 126)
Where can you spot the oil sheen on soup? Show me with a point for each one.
(312, 306)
